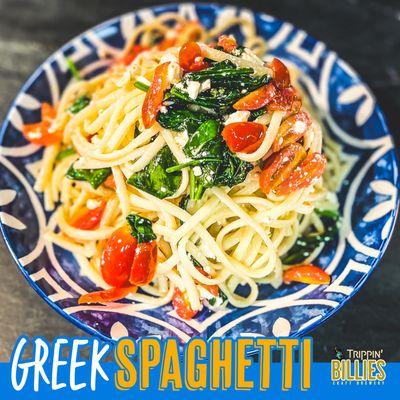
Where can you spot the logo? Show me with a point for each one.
(360, 367)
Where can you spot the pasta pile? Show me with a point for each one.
(239, 235)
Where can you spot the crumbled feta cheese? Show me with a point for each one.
(163, 110)
(206, 85)
(163, 189)
(91, 204)
(181, 138)
(238, 116)
(193, 89)
(197, 171)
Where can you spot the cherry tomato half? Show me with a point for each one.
(305, 174)
(48, 113)
(104, 296)
(117, 258)
(310, 274)
(154, 96)
(39, 133)
(228, 43)
(279, 166)
(257, 99)
(286, 99)
(244, 137)
(291, 130)
(144, 263)
(89, 219)
(281, 73)
(182, 306)
(190, 57)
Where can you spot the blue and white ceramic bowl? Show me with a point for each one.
(368, 197)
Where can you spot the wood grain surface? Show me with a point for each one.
(366, 33)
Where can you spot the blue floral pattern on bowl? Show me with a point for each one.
(368, 197)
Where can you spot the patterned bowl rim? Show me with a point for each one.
(162, 8)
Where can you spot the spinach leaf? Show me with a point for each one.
(179, 120)
(307, 243)
(232, 171)
(228, 84)
(94, 176)
(154, 179)
(219, 166)
(65, 153)
(141, 228)
(192, 163)
(79, 104)
(200, 144)
(222, 70)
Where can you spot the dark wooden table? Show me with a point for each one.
(366, 33)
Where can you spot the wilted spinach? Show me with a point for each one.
(307, 243)
(141, 228)
(228, 84)
(94, 176)
(219, 166)
(179, 120)
(154, 179)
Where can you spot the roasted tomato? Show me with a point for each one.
(190, 57)
(48, 113)
(305, 174)
(286, 99)
(228, 43)
(89, 219)
(104, 296)
(257, 99)
(182, 306)
(134, 51)
(306, 274)
(244, 137)
(279, 166)
(144, 263)
(154, 97)
(291, 130)
(281, 73)
(117, 258)
(40, 133)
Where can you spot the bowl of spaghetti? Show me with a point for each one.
(196, 170)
